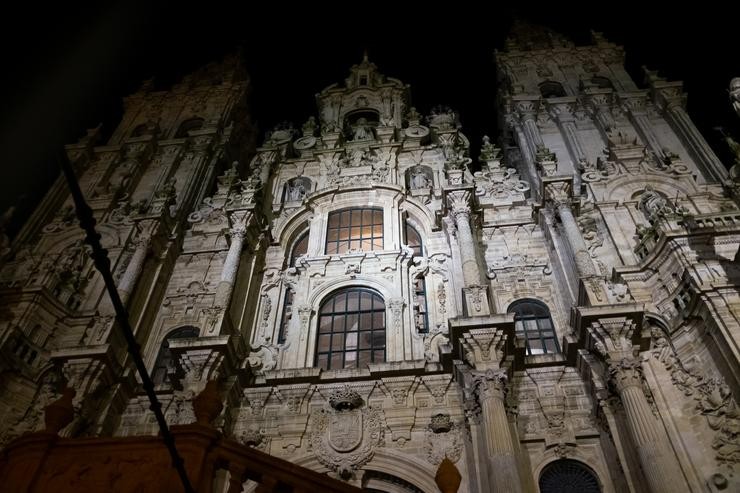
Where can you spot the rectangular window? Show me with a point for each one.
(354, 229)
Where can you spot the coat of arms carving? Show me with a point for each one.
(344, 437)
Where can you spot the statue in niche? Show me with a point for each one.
(309, 127)
(362, 130)
(419, 178)
(653, 204)
(735, 94)
(296, 190)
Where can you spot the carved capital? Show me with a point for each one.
(625, 372)
(558, 193)
(458, 203)
(526, 109)
(491, 385)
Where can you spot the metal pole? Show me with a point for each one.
(102, 263)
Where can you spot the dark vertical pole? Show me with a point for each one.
(102, 263)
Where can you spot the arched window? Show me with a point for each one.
(165, 363)
(551, 89)
(187, 126)
(351, 330)
(413, 239)
(354, 229)
(532, 320)
(419, 304)
(565, 475)
(601, 82)
(300, 247)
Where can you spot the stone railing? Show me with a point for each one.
(42, 461)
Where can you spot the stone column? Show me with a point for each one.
(503, 473)
(558, 193)
(600, 101)
(460, 210)
(670, 100)
(657, 458)
(231, 266)
(133, 270)
(636, 105)
(564, 114)
(527, 112)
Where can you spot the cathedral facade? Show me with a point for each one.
(560, 311)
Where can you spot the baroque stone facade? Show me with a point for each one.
(372, 301)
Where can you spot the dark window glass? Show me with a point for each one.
(164, 366)
(413, 240)
(356, 229)
(300, 247)
(351, 330)
(532, 320)
(567, 475)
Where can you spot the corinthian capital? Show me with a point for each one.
(625, 372)
(558, 193)
(459, 202)
(491, 384)
(526, 107)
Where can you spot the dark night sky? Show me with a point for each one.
(68, 70)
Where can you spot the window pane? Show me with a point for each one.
(364, 358)
(344, 234)
(378, 320)
(367, 216)
(550, 346)
(333, 220)
(378, 244)
(325, 324)
(324, 340)
(338, 324)
(353, 301)
(340, 301)
(354, 244)
(366, 321)
(344, 219)
(323, 361)
(378, 217)
(366, 301)
(367, 245)
(378, 339)
(337, 342)
(331, 248)
(535, 346)
(379, 356)
(365, 340)
(352, 323)
(332, 235)
(356, 233)
(350, 342)
(378, 231)
(336, 361)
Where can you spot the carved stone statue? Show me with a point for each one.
(296, 190)
(362, 130)
(735, 94)
(419, 179)
(654, 205)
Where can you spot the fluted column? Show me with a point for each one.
(600, 101)
(558, 194)
(460, 210)
(657, 458)
(231, 267)
(671, 100)
(636, 105)
(564, 114)
(503, 474)
(133, 270)
(527, 112)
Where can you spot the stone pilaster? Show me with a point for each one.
(490, 389)
(671, 100)
(636, 105)
(657, 458)
(231, 266)
(133, 270)
(563, 110)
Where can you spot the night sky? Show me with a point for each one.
(69, 70)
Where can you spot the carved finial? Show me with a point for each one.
(60, 413)
(207, 405)
(364, 56)
(448, 478)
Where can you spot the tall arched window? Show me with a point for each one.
(354, 229)
(532, 320)
(552, 89)
(419, 304)
(187, 126)
(565, 475)
(300, 247)
(351, 330)
(165, 363)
